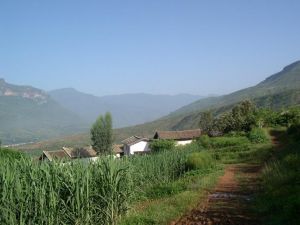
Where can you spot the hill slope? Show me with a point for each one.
(285, 80)
(126, 109)
(29, 114)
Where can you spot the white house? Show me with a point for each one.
(181, 137)
(135, 145)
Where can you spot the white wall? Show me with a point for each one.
(183, 142)
(142, 146)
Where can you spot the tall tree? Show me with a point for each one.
(102, 134)
(206, 121)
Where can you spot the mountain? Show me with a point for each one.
(30, 114)
(286, 80)
(126, 109)
(279, 90)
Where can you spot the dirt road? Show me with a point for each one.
(228, 203)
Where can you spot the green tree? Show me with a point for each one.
(240, 118)
(102, 134)
(206, 121)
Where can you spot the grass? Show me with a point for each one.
(279, 201)
(80, 193)
(165, 208)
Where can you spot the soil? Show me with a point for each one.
(229, 202)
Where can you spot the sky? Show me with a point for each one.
(156, 46)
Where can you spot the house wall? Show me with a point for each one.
(185, 142)
(142, 146)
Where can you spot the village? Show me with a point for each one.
(134, 145)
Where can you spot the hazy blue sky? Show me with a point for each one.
(153, 46)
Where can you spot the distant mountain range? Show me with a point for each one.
(279, 90)
(29, 114)
(126, 109)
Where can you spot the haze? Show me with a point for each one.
(159, 47)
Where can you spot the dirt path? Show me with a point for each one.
(228, 203)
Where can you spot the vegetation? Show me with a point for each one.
(206, 121)
(79, 193)
(258, 135)
(279, 202)
(162, 145)
(102, 135)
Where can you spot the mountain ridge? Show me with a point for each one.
(126, 109)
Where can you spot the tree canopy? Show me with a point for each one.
(102, 134)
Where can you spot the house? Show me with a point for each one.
(181, 137)
(87, 153)
(53, 155)
(118, 151)
(69, 154)
(135, 145)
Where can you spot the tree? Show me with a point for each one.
(102, 134)
(206, 121)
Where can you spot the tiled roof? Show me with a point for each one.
(59, 154)
(133, 140)
(80, 152)
(178, 135)
(117, 149)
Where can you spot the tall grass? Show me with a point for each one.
(76, 193)
(80, 193)
(279, 201)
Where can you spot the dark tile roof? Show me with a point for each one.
(178, 135)
(59, 154)
(80, 152)
(133, 140)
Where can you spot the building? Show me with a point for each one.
(69, 154)
(135, 145)
(118, 151)
(87, 153)
(181, 137)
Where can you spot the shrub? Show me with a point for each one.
(160, 145)
(204, 141)
(258, 135)
(200, 161)
(294, 131)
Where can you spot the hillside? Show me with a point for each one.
(285, 80)
(29, 114)
(126, 109)
(279, 90)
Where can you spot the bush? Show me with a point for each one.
(204, 141)
(161, 145)
(294, 131)
(200, 161)
(258, 135)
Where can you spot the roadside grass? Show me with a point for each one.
(161, 208)
(279, 200)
